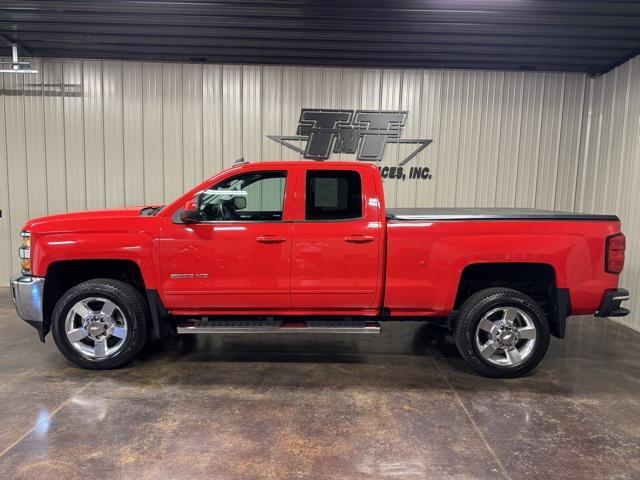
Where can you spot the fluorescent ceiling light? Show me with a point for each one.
(16, 66)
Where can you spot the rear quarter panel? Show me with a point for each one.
(425, 260)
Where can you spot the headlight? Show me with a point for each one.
(25, 252)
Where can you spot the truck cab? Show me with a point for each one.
(277, 238)
(280, 247)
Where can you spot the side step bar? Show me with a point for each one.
(272, 326)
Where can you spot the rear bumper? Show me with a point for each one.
(610, 306)
(26, 292)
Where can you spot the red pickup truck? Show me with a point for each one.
(281, 247)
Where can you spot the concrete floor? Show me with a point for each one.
(399, 406)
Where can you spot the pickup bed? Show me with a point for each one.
(280, 247)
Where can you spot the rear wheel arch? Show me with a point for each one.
(537, 280)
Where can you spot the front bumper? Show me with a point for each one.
(27, 293)
(610, 306)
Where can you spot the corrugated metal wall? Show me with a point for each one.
(94, 134)
(609, 171)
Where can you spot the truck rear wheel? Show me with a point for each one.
(100, 324)
(501, 333)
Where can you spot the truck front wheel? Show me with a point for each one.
(501, 332)
(100, 324)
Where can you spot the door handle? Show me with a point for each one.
(270, 239)
(358, 238)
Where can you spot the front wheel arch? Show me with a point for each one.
(65, 274)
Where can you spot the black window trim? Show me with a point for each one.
(175, 218)
(334, 220)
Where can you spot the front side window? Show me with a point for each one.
(257, 196)
(333, 195)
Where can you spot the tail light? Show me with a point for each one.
(614, 256)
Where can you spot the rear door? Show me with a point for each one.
(336, 258)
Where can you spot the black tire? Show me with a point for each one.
(131, 303)
(471, 313)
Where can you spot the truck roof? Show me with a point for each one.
(298, 163)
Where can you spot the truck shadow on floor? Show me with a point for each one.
(419, 357)
(410, 355)
(425, 340)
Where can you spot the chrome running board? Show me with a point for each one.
(272, 326)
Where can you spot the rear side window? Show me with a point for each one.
(333, 195)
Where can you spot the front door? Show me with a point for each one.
(336, 259)
(237, 258)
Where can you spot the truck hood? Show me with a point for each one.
(92, 220)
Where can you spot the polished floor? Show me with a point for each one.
(401, 405)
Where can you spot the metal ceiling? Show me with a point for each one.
(565, 35)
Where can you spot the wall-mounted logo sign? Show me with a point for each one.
(364, 133)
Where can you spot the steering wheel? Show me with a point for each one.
(221, 211)
(209, 212)
(227, 211)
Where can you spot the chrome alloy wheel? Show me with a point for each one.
(96, 328)
(506, 336)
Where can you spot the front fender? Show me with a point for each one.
(139, 247)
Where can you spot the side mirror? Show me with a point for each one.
(190, 213)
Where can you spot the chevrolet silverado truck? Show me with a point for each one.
(309, 247)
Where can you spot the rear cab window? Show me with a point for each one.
(333, 195)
